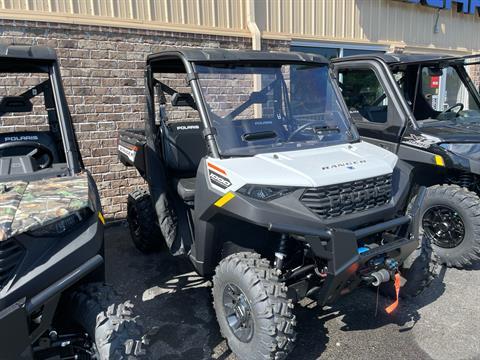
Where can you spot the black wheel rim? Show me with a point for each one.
(238, 312)
(444, 226)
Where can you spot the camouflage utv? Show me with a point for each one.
(53, 300)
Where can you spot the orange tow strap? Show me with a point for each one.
(391, 308)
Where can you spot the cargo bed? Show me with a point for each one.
(131, 148)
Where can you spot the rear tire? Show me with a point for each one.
(116, 332)
(143, 223)
(267, 331)
(460, 248)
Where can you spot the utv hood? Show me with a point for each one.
(449, 131)
(26, 206)
(312, 167)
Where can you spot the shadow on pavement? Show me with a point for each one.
(176, 306)
(361, 310)
(473, 267)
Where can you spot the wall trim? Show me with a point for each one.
(121, 23)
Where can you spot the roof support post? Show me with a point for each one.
(253, 26)
(256, 45)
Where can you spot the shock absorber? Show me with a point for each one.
(465, 179)
(281, 253)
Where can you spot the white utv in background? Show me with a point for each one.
(265, 184)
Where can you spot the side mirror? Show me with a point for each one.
(183, 99)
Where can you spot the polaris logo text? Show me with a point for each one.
(20, 138)
(188, 127)
(348, 164)
(219, 180)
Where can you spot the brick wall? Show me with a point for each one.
(475, 74)
(16, 84)
(102, 69)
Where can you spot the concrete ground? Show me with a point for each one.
(175, 304)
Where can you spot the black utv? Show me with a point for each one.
(53, 300)
(426, 109)
(255, 172)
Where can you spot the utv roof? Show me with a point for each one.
(397, 59)
(25, 52)
(221, 55)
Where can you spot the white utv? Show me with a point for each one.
(257, 175)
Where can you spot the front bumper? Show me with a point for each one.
(49, 258)
(49, 267)
(15, 333)
(340, 248)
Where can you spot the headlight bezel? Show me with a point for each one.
(269, 192)
(62, 226)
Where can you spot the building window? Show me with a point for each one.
(328, 52)
(349, 52)
(331, 51)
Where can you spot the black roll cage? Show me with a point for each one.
(395, 61)
(192, 78)
(48, 65)
(457, 65)
(184, 60)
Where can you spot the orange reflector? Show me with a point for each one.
(215, 167)
(392, 307)
(100, 216)
(224, 199)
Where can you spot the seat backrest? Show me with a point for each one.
(183, 147)
(43, 137)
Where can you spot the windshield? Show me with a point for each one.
(444, 94)
(28, 119)
(257, 109)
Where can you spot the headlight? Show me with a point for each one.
(468, 150)
(265, 192)
(62, 226)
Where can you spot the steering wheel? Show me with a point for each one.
(300, 129)
(459, 105)
(38, 151)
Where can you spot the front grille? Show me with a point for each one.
(347, 198)
(11, 254)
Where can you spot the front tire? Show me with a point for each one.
(450, 218)
(109, 322)
(143, 223)
(417, 272)
(253, 311)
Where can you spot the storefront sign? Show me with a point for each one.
(463, 6)
(434, 82)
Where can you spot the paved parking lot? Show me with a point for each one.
(443, 323)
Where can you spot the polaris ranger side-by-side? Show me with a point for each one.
(53, 302)
(257, 175)
(426, 109)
